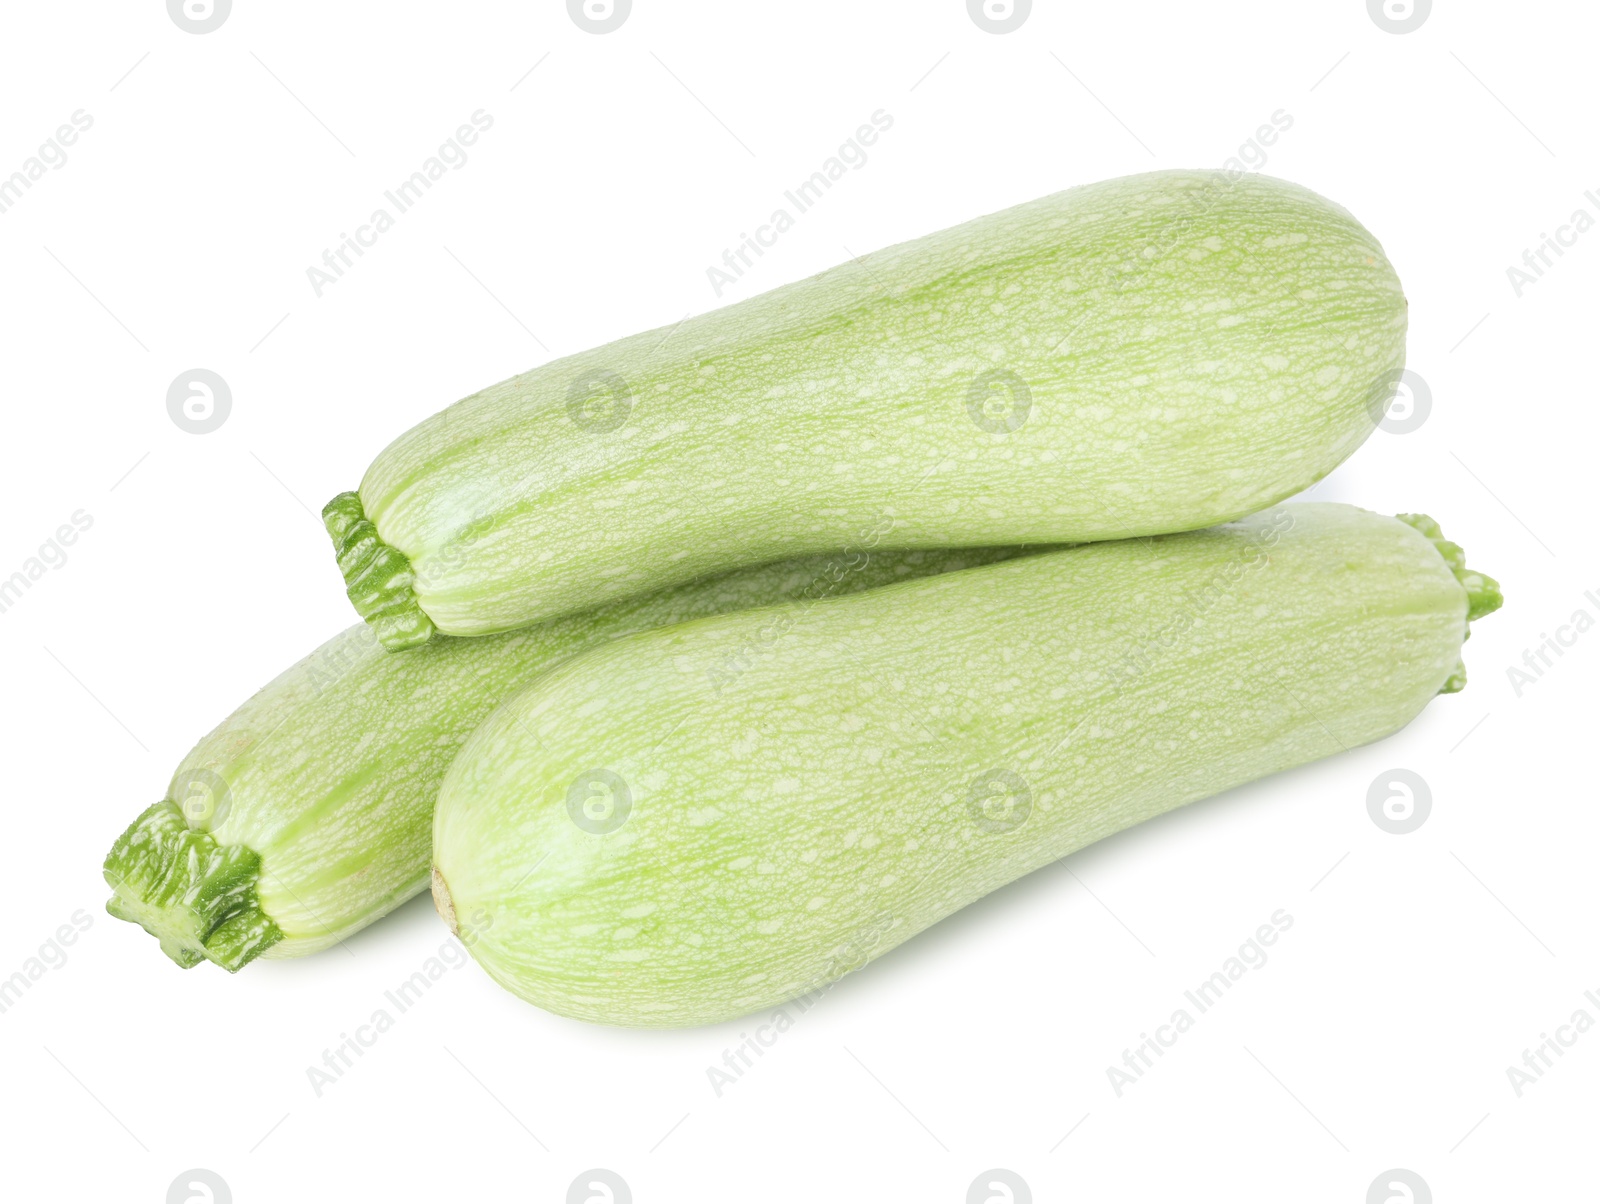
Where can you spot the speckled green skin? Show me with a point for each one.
(1193, 349)
(906, 751)
(318, 792)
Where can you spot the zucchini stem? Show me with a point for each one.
(1483, 592)
(192, 893)
(377, 577)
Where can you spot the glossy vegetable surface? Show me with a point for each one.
(1144, 355)
(656, 835)
(305, 815)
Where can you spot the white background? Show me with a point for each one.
(177, 235)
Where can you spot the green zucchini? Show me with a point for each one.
(642, 838)
(1144, 355)
(307, 813)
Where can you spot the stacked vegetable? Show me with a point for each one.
(664, 776)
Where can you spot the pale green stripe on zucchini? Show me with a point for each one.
(646, 836)
(1144, 355)
(305, 815)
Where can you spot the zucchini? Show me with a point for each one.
(1144, 355)
(642, 841)
(306, 814)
